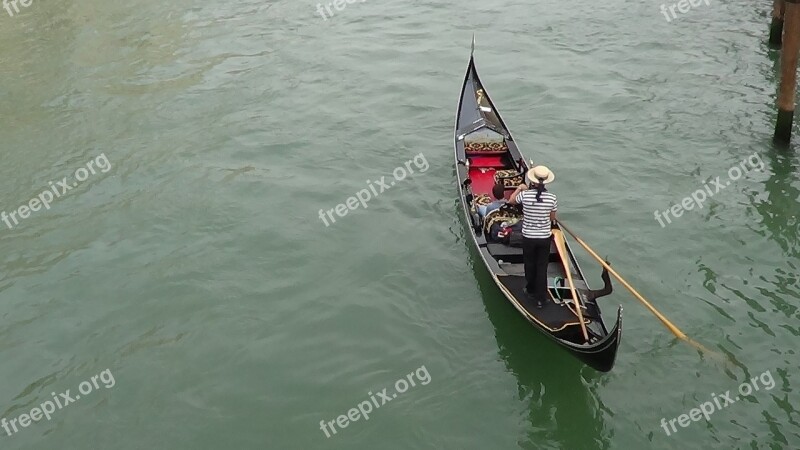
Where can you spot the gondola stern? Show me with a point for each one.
(600, 355)
(609, 346)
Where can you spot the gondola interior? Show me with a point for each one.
(559, 314)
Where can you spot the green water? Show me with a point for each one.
(198, 272)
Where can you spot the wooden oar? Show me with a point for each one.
(558, 236)
(677, 332)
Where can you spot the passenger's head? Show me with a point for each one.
(499, 191)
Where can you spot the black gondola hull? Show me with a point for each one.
(476, 113)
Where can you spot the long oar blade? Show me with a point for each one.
(558, 236)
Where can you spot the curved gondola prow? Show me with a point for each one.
(494, 117)
(472, 49)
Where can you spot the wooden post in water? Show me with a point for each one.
(776, 27)
(788, 83)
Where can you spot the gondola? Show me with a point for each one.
(485, 154)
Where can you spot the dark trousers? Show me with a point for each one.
(535, 253)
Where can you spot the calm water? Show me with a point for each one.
(198, 272)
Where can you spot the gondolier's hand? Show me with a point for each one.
(513, 199)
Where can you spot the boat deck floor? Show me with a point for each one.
(553, 315)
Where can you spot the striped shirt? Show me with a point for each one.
(536, 221)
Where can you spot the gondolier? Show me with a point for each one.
(539, 211)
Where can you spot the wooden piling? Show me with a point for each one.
(788, 83)
(776, 27)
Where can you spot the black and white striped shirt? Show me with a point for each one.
(536, 222)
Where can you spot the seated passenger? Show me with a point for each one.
(498, 191)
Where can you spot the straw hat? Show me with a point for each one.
(541, 174)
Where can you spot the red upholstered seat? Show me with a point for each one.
(487, 161)
(482, 180)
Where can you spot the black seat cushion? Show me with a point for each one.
(504, 252)
(514, 254)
